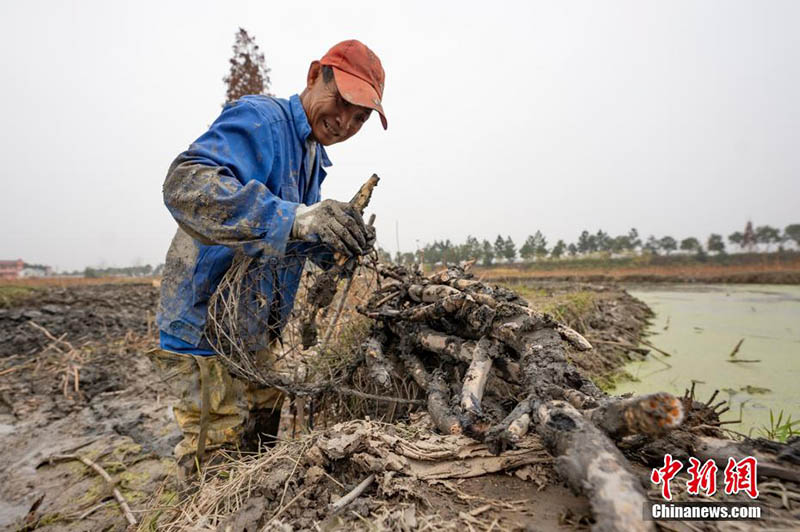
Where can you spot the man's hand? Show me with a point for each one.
(335, 223)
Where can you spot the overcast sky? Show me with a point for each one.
(674, 117)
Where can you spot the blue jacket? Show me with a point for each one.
(237, 188)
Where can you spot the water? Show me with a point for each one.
(700, 325)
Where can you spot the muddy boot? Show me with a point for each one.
(263, 431)
(264, 416)
(186, 470)
(204, 389)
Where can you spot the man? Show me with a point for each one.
(251, 184)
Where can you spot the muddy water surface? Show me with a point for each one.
(700, 326)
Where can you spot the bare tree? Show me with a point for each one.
(249, 73)
(748, 237)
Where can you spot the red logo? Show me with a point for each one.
(741, 476)
(738, 476)
(664, 474)
(702, 478)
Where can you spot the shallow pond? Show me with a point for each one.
(701, 325)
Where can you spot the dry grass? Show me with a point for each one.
(330, 371)
(567, 307)
(289, 486)
(707, 271)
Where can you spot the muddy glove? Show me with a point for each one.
(335, 223)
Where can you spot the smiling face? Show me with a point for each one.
(332, 118)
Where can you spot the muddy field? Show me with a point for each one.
(84, 313)
(74, 381)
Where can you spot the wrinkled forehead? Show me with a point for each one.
(333, 91)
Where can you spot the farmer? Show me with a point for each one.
(251, 184)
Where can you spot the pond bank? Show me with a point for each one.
(609, 317)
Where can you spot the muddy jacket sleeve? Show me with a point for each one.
(218, 189)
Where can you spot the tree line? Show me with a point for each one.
(128, 271)
(536, 246)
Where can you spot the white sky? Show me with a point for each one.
(676, 117)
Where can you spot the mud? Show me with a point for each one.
(610, 318)
(121, 418)
(83, 313)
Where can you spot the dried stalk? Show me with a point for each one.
(123, 504)
(352, 495)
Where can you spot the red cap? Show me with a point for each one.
(358, 73)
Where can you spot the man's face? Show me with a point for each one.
(332, 118)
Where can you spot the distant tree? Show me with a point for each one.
(383, 255)
(749, 236)
(602, 240)
(509, 250)
(690, 244)
(572, 249)
(585, 242)
(432, 253)
(472, 248)
(792, 232)
(767, 235)
(716, 244)
(499, 246)
(539, 245)
(558, 249)
(620, 243)
(633, 239)
(435, 253)
(528, 249)
(249, 73)
(593, 244)
(448, 252)
(737, 238)
(652, 245)
(488, 253)
(668, 244)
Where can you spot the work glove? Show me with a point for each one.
(335, 223)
